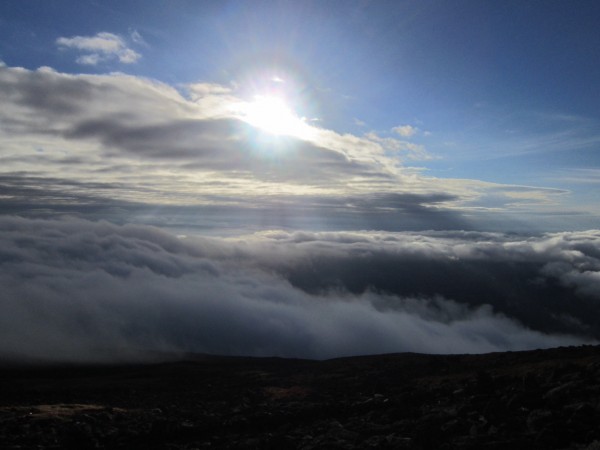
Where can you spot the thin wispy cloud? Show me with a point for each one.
(577, 176)
(137, 37)
(407, 150)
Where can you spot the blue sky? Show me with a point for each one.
(456, 93)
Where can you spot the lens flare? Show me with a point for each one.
(272, 115)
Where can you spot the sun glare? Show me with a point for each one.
(272, 115)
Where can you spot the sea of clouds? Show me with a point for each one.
(78, 290)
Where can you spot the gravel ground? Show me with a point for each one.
(540, 399)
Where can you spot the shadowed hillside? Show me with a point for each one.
(535, 399)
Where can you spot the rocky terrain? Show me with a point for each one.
(538, 399)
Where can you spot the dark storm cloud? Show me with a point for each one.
(199, 140)
(28, 195)
(390, 212)
(46, 92)
(41, 196)
(18, 184)
(222, 144)
(79, 290)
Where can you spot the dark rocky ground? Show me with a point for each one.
(539, 399)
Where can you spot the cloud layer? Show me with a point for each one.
(196, 142)
(151, 144)
(79, 290)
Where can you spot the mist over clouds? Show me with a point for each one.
(81, 290)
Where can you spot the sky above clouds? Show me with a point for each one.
(465, 136)
(486, 113)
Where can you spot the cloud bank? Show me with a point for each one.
(150, 143)
(84, 291)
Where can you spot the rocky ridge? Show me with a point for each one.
(537, 399)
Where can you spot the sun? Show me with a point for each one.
(272, 115)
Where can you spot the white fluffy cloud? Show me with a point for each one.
(405, 131)
(146, 142)
(78, 290)
(101, 47)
